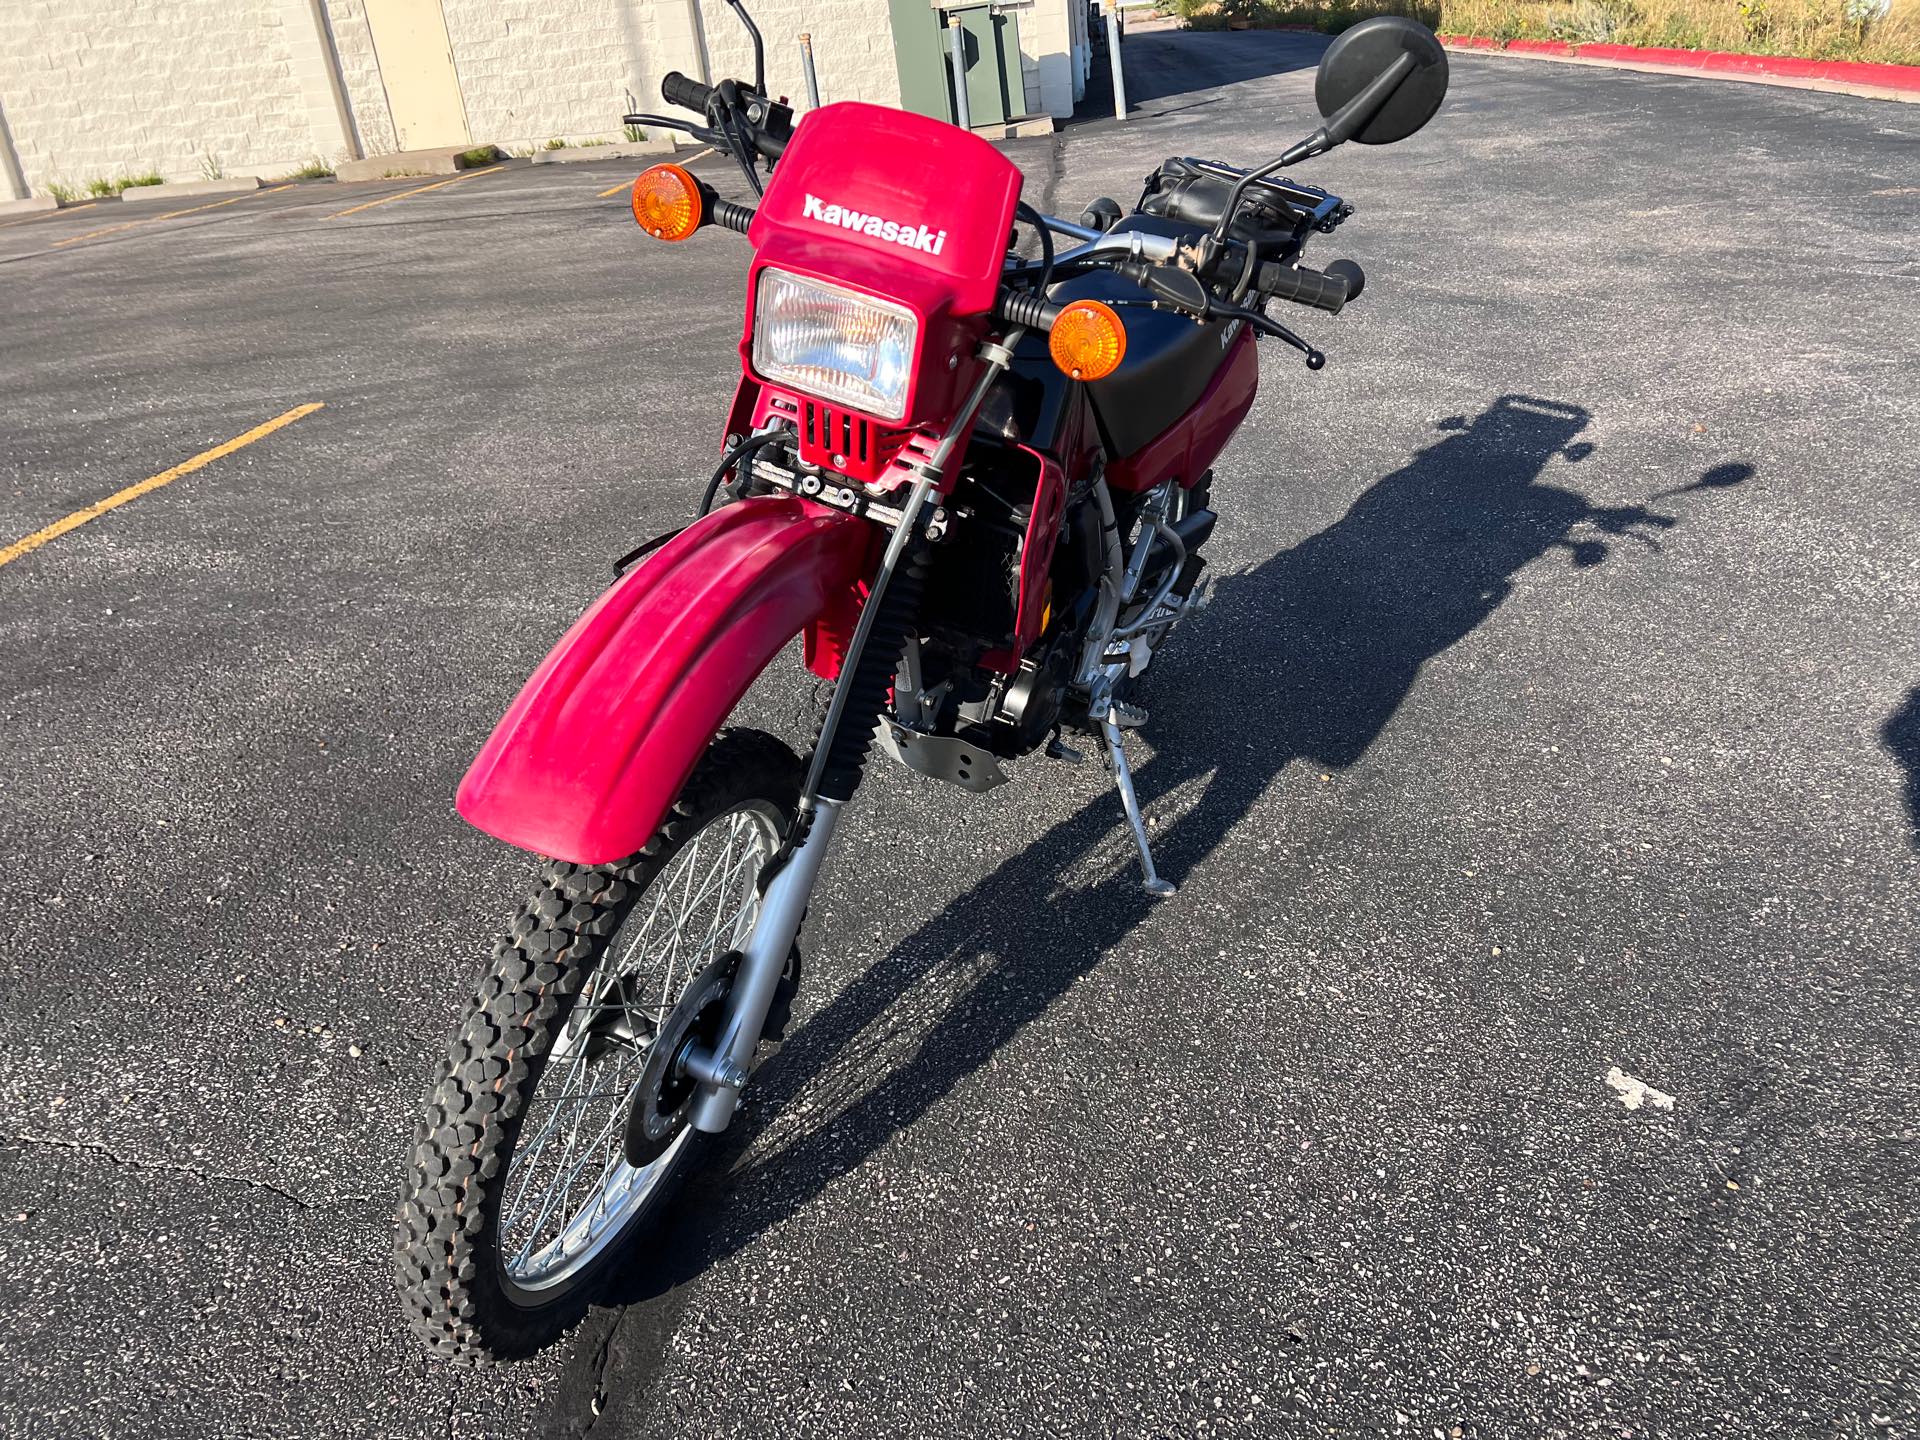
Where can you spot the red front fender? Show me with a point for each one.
(594, 749)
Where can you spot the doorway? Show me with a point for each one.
(416, 67)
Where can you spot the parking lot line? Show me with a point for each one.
(63, 210)
(418, 190)
(154, 482)
(170, 215)
(628, 184)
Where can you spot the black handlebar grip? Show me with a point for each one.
(732, 216)
(1303, 286)
(686, 92)
(1355, 277)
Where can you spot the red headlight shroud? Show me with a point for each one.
(902, 207)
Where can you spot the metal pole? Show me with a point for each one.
(1113, 58)
(957, 47)
(806, 68)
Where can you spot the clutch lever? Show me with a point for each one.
(702, 133)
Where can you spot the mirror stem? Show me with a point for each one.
(759, 46)
(1353, 116)
(1313, 145)
(1340, 128)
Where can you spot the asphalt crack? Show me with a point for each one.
(181, 1167)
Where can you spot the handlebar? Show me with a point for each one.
(1029, 310)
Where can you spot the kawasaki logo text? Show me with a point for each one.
(910, 237)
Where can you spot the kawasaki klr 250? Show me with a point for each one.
(971, 471)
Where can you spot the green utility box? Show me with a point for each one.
(922, 48)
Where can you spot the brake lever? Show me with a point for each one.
(1185, 291)
(1267, 325)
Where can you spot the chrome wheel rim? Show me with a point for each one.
(569, 1191)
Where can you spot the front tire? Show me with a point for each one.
(498, 1247)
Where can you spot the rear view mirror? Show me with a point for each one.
(1394, 68)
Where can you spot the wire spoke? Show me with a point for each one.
(570, 1169)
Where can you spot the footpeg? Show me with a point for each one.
(1127, 717)
(1150, 880)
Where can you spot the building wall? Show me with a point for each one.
(534, 70)
(1046, 41)
(94, 89)
(360, 72)
(852, 47)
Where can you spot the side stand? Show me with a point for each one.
(1150, 880)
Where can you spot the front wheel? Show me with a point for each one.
(526, 1183)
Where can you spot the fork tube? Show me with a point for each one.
(723, 1072)
(782, 909)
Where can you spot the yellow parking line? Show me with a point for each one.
(628, 184)
(170, 215)
(420, 190)
(63, 210)
(165, 477)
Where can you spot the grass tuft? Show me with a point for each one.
(479, 155)
(101, 186)
(65, 194)
(314, 169)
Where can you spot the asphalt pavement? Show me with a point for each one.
(1558, 717)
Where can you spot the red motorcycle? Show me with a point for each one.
(973, 476)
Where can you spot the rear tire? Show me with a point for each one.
(466, 1298)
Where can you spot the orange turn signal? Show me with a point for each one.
(666, 202)
(1088, 341)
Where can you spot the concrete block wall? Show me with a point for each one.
(534, 70)
(1054, 54)
(852, 47)
(100, 88)
(346, 22)
(103, 88)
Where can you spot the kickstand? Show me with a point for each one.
(1123, 777)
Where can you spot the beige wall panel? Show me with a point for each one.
(417, 72)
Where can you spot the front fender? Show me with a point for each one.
(592, 752)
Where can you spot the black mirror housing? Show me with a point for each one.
(1360, 61)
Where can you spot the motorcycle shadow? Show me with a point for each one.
(1321, 644)
(1901, 736)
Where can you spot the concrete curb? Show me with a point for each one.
(138, 194)
(621, 150)
(404, 164)
(31, 205)
(1846, 77)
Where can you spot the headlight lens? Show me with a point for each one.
(840, 346)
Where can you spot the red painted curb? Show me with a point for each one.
(1787, 67)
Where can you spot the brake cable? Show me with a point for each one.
(1034, 218)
